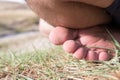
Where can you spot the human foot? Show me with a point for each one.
(45, 28)
(89, 44)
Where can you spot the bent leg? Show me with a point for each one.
(98, 3)
(69, 14)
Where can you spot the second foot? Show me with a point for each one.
(90, 44)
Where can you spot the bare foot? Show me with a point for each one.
(45, 28)
(89, 44)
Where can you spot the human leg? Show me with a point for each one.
(80, 45)
(69, 14)
(98, 3)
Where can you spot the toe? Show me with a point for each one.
(70, 46)
(60, 34)
(104, 56)
(80, 53)
(92, 56)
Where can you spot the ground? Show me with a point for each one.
(26, 55)
(19, 30)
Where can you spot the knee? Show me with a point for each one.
(43, 6)
(43, 3)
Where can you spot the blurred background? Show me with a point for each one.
(19, 27)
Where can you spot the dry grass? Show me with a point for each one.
(55, 64)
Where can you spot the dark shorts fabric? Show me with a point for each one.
(114, 12)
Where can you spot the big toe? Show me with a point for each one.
(60, 34)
